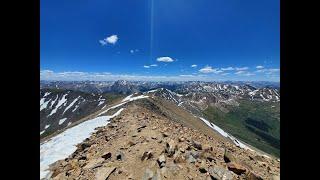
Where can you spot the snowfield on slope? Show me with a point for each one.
(223, 133)
(64, 144)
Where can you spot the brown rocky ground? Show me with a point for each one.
(140, 144)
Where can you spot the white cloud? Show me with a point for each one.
(227, 69)
(165, 59)
(145, 66)
(240, 72)
(268, 71)
(194, 65)
(218, 71)
(224, 74)
(207, 69)
(186, 75)
(259, 67)
(102, 42)
(241, 68)
(244, 73)
(131, 51)
(154, 65)
(249, 74)
(111, 40)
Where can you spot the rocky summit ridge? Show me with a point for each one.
(144, 144)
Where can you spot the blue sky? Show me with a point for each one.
(135, 40)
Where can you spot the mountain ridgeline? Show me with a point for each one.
(247, 111)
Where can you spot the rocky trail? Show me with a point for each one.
(140, 144)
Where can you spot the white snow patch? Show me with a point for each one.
(71, 104)
(46, 94)
(42, 132)
(127, 98)
(64, 144)
(69, 123)
(101, 102)
(75, 108)
(223, 133)
(263, 98)
(44, 105)
(42, 101)
(62, 120)
(52, 102)
(47, 126)
(60, 102)
(253, 93)
(151, 91)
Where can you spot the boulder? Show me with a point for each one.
(171, 147)
(104, 173)
(165, 134)
(148, 174)
(252, 176)
(203, 167)
(178, 158)
(236, 168)
(197, 145)
(161, 160)
(94, 163)
(120, 156)
(217, 172)
(146, 155)
(190, 158)
(228, 157)
(107, 155)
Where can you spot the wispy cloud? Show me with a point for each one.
(154, 65)
(194, 65)
(207, 69)
(131, 51)
(145, 66)
(165, 59)
(186, 75)
(241, 68)
(225, 74)
(227, 69)
(111, 40)
(259, 67)
(244, 73)
(268, 71)
(240, 72)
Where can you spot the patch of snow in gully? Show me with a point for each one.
(223, 133)
(127, 98)
(42, 101)
(124, 101)
(46, 94)
(62, 120)
(101, 102)
(71, 104)
(151, 91)
(64, 144)
(47, 126)
(44, 105)
(60, 102)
